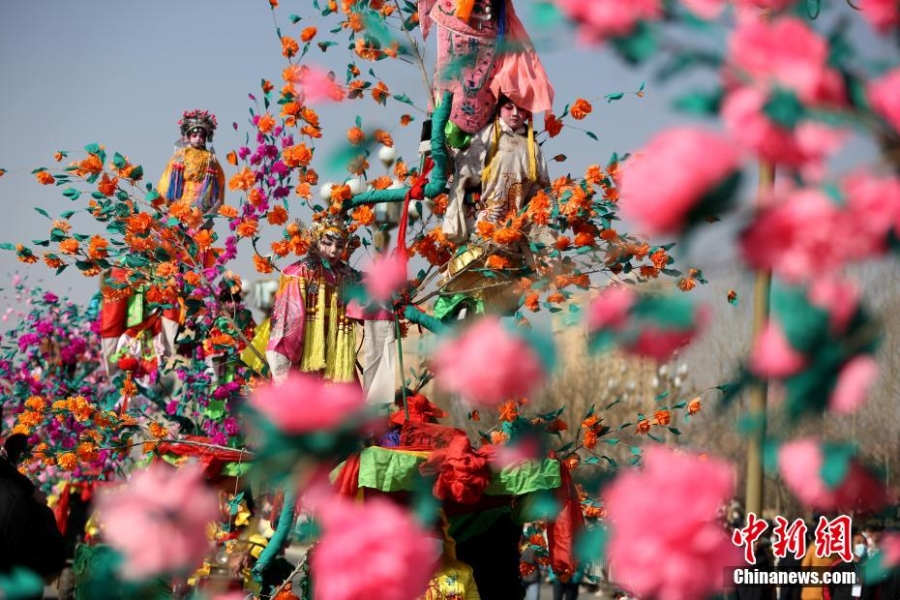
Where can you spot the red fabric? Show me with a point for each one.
(462, 472)
(347, 481)
(212, 459)
(61, 511)
(416, 192)
(561, 532)
(428, 436)
(421, 410)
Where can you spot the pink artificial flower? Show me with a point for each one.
(781, 238)
(682, 551)
(659, 192)
(890, 549)
(773, 355)
(371, 550)
(658, 343)
(706, 9)
(883, 15)
(873, 208)
(304, 403)
(839, 298)
(787, 53)
(610, 309)
(313, 84)
(385, 275)
(602, 19)
(854, 381)
(884, 96)
(159, 521)
(800, 463)
(806, 146)
(488, 364)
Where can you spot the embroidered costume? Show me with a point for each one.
(194, 173)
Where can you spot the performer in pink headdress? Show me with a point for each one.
(483, 48)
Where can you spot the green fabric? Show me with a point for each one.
(456, 137)
(135, 314)
(448, 306)
(389, 470)
(417, 317)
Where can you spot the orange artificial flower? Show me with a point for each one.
(659, 259)
(203, 239)
(97, 247)
(380, 92)
(686, 284)
(609, 235)
(229, 212)
(304, 190)
(643, 426)
(192, 278)
(62, 225)
(289, 46)
(90, 166)
(339, 193)
(648, 272)
(485, 229)
(107, 186)
(580, 109)
(281, 247)
(277, 216)
(242, 180)
(139, 223)
(52, 261)
(356, 136)
(44, 178)
(562, 242)
(590, 439)
(552, 125)
(262, 264)
(556, 298)
(384, 138)
(166, 269)
(255, 196)
(584, 239)
(594, 175)
(531, 302)
(297, 156)
(405, 120)
(67, 461)
(439, 204)
(382, 183)
(694, 406)
(308, 34)
(509, 410)
(364, 215)
(68, 246)
(266, 123)
(662, 417)
(249, 227)
(497, 262)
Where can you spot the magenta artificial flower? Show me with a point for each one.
(706, 9)
(659, 193)
(883, 15)
(611, 308)
(785, 53)
(660, 343)
(371, 550)
(159, 521)
(873, 209)
(884, 96)
(317, 85)
(806, 146)
(773, 355)
(852, 388)
(488, 364)
(602, 19)
(676, 548)
(386, 275)
(800, 463)
(304, 403)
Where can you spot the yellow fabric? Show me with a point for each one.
(464, 9)
(452, 581)
(196, 163)
(334, 350)
(260, 341)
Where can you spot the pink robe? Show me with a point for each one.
(514, 70)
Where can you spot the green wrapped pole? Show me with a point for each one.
(280, 537)
(437, 183)
(417, 317)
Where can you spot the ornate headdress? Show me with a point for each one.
(192, 119)
(330, 225)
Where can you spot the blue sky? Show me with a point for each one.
(121, 73)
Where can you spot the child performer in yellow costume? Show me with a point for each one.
(193, 173)
(311, 329)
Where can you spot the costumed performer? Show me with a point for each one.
(482, 49)
(311, 329)
(194, 172)
(506, 166)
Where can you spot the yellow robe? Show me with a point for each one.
(201, 178)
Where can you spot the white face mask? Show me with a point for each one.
(860, 550)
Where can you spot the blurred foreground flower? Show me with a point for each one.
(392, 556)
(829, 478)
(386, 275)
(488, 364)
(159, 522)
(682, 554)
(304, 403)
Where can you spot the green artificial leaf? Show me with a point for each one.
(402, 98)
(294, 19)
(784, 108)
(699, 103)
(545, 14)
(71, 193)
(616, 96)
(215, 410)
(7, 246)
(637, 47)
(836, 460)
(41, 211)
(21, 584)
(592, 135)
